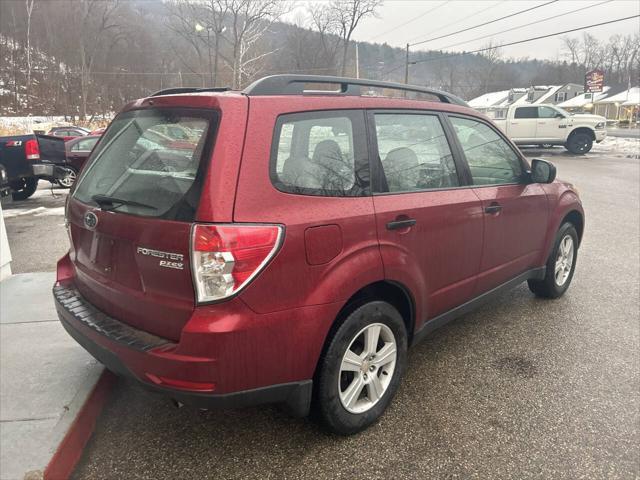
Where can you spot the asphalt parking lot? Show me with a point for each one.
(523, 388)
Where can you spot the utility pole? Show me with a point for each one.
(357, 60)
(406, 66)
(210, 61)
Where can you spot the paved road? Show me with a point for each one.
(523, 388)
(624, 132)
(35, 228)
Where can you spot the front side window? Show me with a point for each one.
(526, 112)
(490, 158)
(414, 152)
(320, 153)
(547, 112)
(144, 172)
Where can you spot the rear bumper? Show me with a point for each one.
(43, 170)
(153, 361)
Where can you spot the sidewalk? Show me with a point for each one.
(45, 378)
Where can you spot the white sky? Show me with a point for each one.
(433, 18)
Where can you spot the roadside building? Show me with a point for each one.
(583, 103)
(621, 106)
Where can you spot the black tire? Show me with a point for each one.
(70, 177)
(327, 394)
(24, 189)
(549, 286)
(579, 143)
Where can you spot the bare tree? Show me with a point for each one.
(572, 47)
(347, 15)
(491, 60)
(324, 21)
(96, 20)
(29, 4)
(250, 20)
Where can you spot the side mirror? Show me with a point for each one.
(559, 115)
(542, 171)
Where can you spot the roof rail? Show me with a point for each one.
(294, 85)
(179, 90)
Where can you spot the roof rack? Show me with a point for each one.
(179, 90)
(294, 85)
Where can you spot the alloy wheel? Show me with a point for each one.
(68, 179)
(367, 368)
(564, 260)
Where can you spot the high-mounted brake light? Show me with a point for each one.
(32, 150)
(225, 258)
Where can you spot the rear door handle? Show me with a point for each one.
(400, 224)
(493, 208)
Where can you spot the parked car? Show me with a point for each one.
(77, 152)
(551, 125)
(303, 242)
(68, 133)
(28, 158)
(98, 131)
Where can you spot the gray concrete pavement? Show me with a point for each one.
(45, 375)
(523, 388)
(35, 229)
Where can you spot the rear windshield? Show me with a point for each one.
(143, 167)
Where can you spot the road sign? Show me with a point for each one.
(594, 81)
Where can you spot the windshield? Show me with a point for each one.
(140, 165)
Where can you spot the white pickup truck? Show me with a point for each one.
(551, 125)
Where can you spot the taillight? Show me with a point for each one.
(225, 258)
(32, 150)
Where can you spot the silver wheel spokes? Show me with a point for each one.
(68, 179)
(564, 260)
(367, 368)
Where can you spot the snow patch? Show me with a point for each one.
(628, 147)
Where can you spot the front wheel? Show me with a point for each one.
(579, 143)
(362, 367)
(68, 177)
(560, 265)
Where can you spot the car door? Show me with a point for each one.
(515, 210)
(550, 124)
(523, 125)
(80, 151)
(429, 225)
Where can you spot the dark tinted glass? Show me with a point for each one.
(137, 163)
(526, 112)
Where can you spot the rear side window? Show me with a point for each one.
(526, 112)
(320, 153)
(414, 152)
(145, 171)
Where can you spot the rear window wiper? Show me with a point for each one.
(108, 203)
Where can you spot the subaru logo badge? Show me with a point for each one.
(90, 220)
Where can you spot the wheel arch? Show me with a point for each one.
(586, 130)
(391, 292)
(577, 220)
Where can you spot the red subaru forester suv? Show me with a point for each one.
(301, 240)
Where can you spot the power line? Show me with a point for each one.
(461, 20)
(483, 24)
(515, 43)
(581, 9)
(409, 21)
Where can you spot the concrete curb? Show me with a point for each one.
(79, 432)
